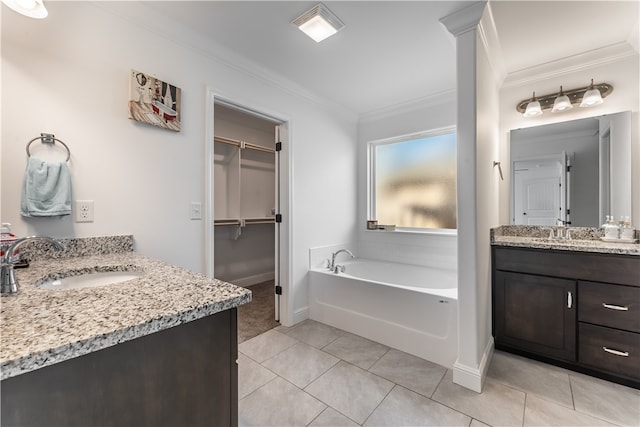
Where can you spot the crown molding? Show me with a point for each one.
(464, 20)
(157, 23)
(444, 97)
(570, 64)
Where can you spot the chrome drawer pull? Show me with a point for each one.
(615, 307)
(616, 352)
(569, 300)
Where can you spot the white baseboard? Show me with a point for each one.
(473, 378)
(253, 280)
(300, 314)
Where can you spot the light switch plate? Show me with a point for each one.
(196, 210)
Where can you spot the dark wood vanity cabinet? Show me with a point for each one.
(536, 314)
(186, 375)
(575, 309)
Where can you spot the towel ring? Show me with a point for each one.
(48, 138)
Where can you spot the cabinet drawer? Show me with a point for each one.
(596, 267)
(609, 349)
(609, 305)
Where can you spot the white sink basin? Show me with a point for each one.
(91, 280)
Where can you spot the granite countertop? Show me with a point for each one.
(584, 239)
(42, 327)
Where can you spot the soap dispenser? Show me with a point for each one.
(611, 229)
(626, 231)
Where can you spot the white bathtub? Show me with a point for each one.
(407, 307)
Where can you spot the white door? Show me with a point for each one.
(539, 191)
(537, 199)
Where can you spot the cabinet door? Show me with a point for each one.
(535, 314)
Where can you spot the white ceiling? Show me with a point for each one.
(396, 52)
(538, 32)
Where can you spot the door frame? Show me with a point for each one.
(283, 256)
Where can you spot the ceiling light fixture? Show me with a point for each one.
(30, 8)
(318, 23)
(587, 96)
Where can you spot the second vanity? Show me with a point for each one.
(160, 349)
(573, 303)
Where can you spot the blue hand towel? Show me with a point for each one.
(46, 189)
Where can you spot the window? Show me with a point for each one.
(412, 182)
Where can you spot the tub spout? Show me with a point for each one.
(332, 265)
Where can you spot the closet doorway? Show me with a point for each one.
(247, 211)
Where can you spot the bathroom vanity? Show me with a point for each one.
(573, 303)
(157, 350)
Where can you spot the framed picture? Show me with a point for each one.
(154, 102)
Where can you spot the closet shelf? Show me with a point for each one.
(227, 222)
(241, 222)
(243, 144)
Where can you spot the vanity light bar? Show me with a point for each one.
(575, 96)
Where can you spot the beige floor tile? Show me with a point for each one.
(266, 345)
(532, 377)
(251, 376)
(409, 371)
(603, 399)
(356, 350)
(497, 405)
(301, 364)
(278, 403)
(540, 412)
(350, 390)
(332, 418)
(403, 407)
(476, 423)
(314, 333)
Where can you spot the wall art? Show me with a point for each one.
(154, 102)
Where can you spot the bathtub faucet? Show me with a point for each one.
(332, 265)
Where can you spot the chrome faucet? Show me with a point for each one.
(332, 264)
(561, 231)
(8, 281)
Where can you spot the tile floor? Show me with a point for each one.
(316, 375)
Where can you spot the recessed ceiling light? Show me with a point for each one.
(318, 23)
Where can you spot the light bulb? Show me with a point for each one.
(533, 108)
(591, 97)
(562, 103)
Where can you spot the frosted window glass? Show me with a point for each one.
(415, 182)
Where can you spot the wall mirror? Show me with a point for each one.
(577, 171)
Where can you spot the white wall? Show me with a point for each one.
(618, 66)
(68, 75)
(431, 249)
(487, 188)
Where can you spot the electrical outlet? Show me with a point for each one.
(196, 210)
(83, 211)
